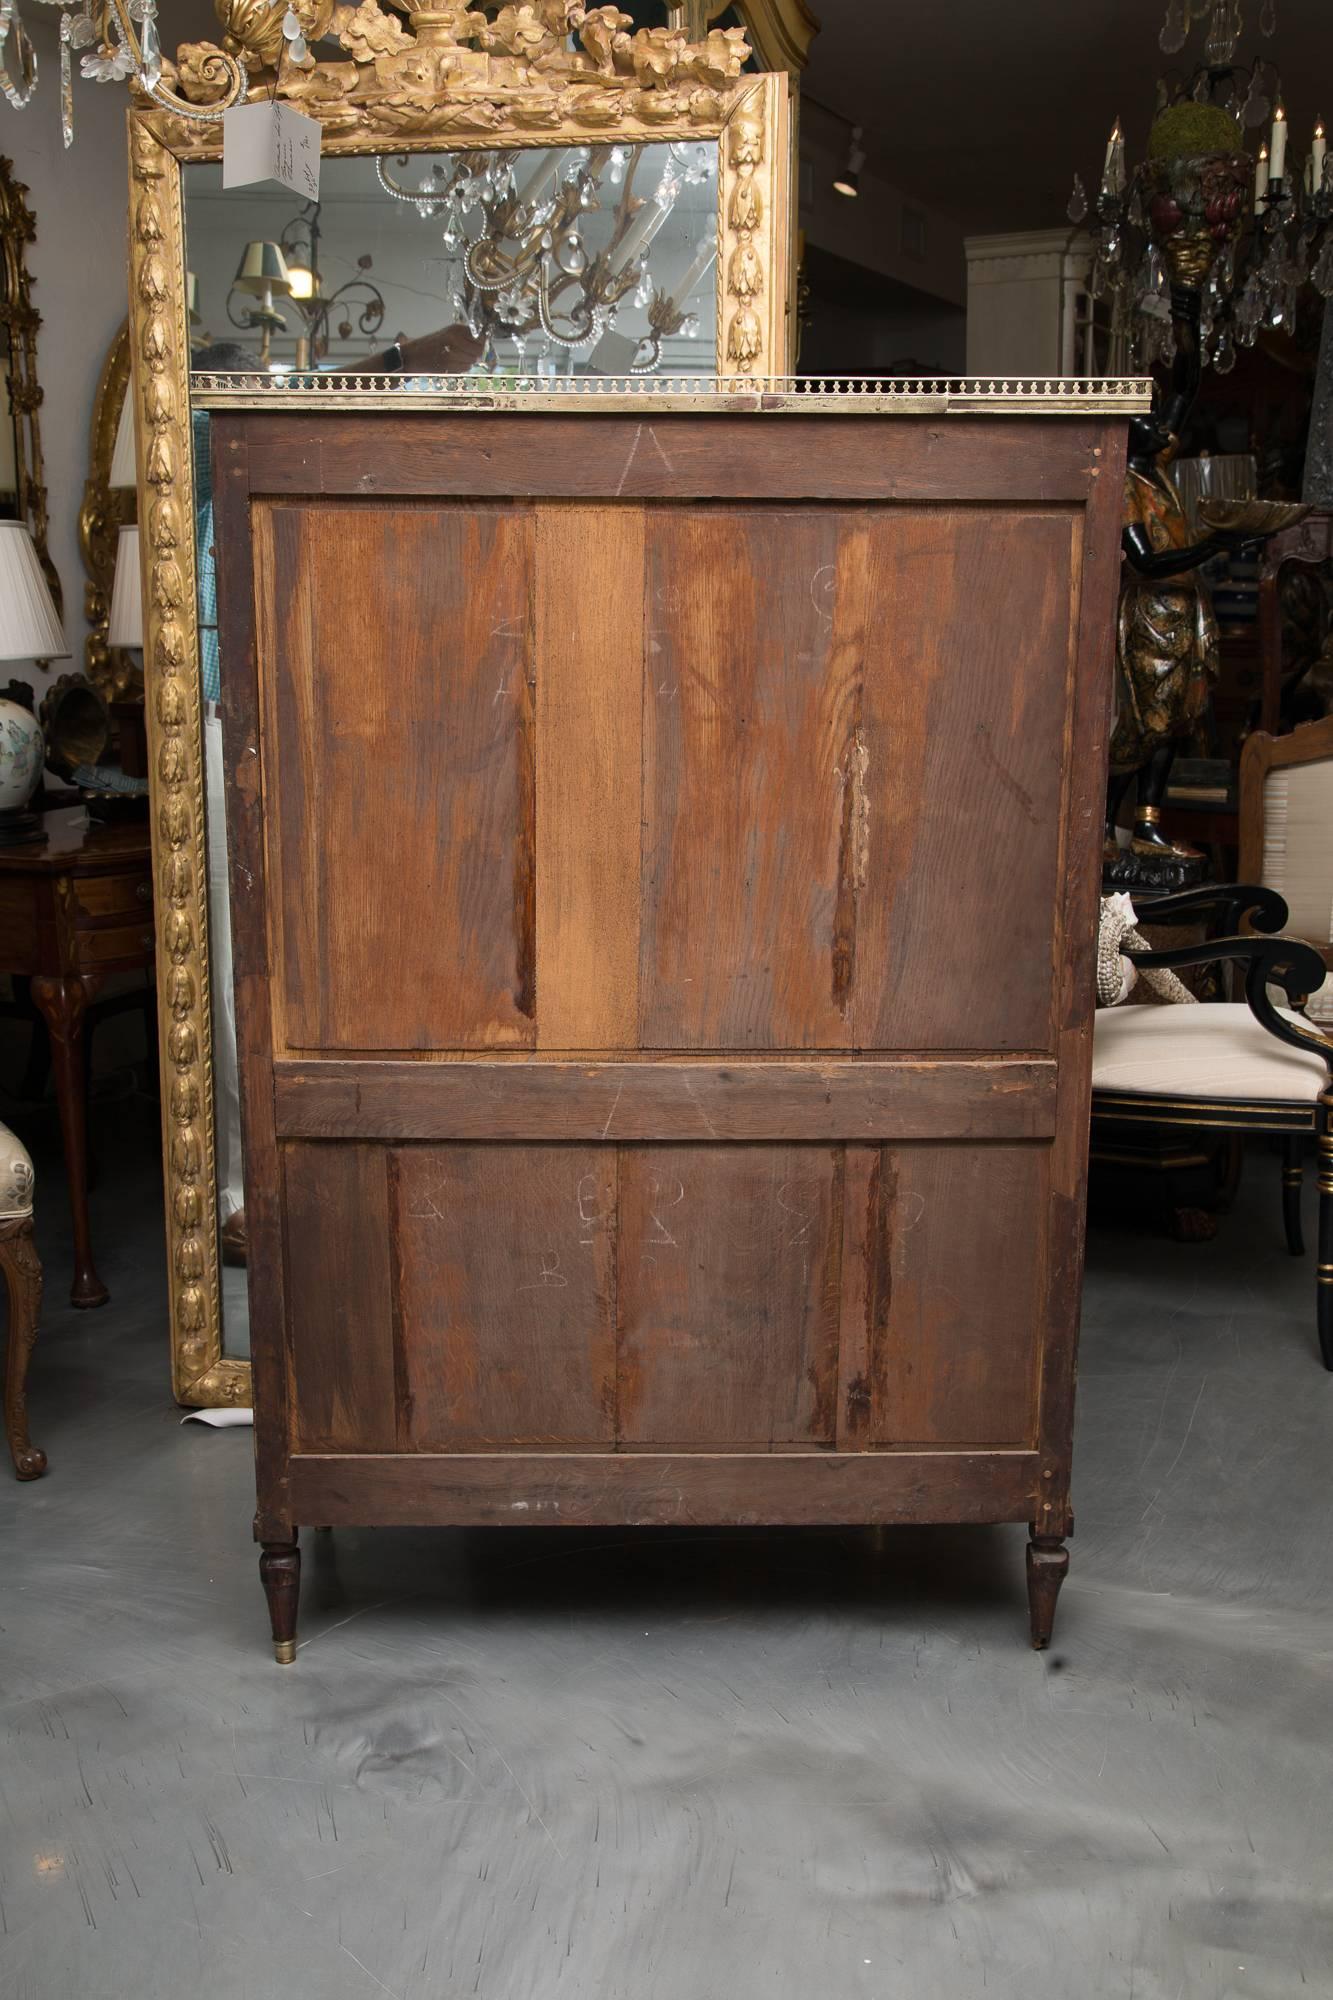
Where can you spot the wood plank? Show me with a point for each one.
(266, 1274)
(652, 1489)
(751, 782)
(587, 456)
(1091, 613)
(956, 1257)
(589, 669)
(506, 1287)
(963, 734)
(864, 1295)
(403, 791)
(865, 1101)
(727, 1295)
(340, 1297)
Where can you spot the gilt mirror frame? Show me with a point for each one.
(104, 510)
(21, 321)
(535, 75)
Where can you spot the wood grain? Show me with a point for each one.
(336, 1208)
(590, 665)
(963, 738)
(656, 1489)
(1024, 461)
(1091, 612)
(523, 1099)
(240, 568)
(750, 757)
(506, 1276)
(727, 1295)
(816, 776)
(956, 1260)
(400, 698)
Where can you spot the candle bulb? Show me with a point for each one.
(1113, 167)
(1278, 159)
(1317, 157)
(685, 289)
(1260, 178)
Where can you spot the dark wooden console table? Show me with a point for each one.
(72, 911)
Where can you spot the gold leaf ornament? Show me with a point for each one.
(604, 35)
(745, 272)
(745, 338)
(367, 31)
(656, 54)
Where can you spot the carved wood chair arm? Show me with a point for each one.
(1263, 908)
(1269, 961)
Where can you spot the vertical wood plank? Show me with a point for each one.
(864, 1290)
(246, 800)
(728, 1295)
(401, 704)
(752, 811)
(1092, 615)
(506, 1295)
(963, 740)
(958, 1271)
(340, 1297)
(588, 610)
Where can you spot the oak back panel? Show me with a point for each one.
(678, 862)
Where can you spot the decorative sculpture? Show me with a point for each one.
(1167, 640)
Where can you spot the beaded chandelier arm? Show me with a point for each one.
(120, 43)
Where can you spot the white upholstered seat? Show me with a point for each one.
(1210, 1051)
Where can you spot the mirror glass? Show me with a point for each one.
(582, 260)
(567, 260)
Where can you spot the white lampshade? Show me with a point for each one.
(126, 626)
(29, 626)
(123, 469)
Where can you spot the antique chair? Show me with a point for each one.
(1286, 835)
(1233, 1066)
(23, 1277)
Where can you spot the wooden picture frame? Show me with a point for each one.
(451, 80)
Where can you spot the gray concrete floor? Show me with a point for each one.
(683, 1766)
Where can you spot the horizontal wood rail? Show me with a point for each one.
(865, 1102)
(734, 1489)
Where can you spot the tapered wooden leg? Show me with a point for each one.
(23, 1279)
(1324, 1273)
(1048, 1566)
(1293, 1173)
(63, 1003)
(280, 1574)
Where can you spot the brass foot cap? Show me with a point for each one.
(284, 1651)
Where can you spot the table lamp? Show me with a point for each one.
(262, 272)
(125, 627)
(30, 629)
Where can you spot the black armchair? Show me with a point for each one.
(1236, 1066)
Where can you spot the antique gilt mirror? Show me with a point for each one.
(109, 504)
(22, 473)
(512, 200)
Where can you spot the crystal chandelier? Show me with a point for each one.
(1248, 229)
(119, 40)
(526, 271)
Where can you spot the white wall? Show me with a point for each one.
(78, 266)
(1022, 296)
(870, 230)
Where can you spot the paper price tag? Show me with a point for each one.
(271, 142)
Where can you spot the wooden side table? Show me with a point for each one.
(72, 911)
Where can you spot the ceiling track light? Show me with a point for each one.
(848, 182)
